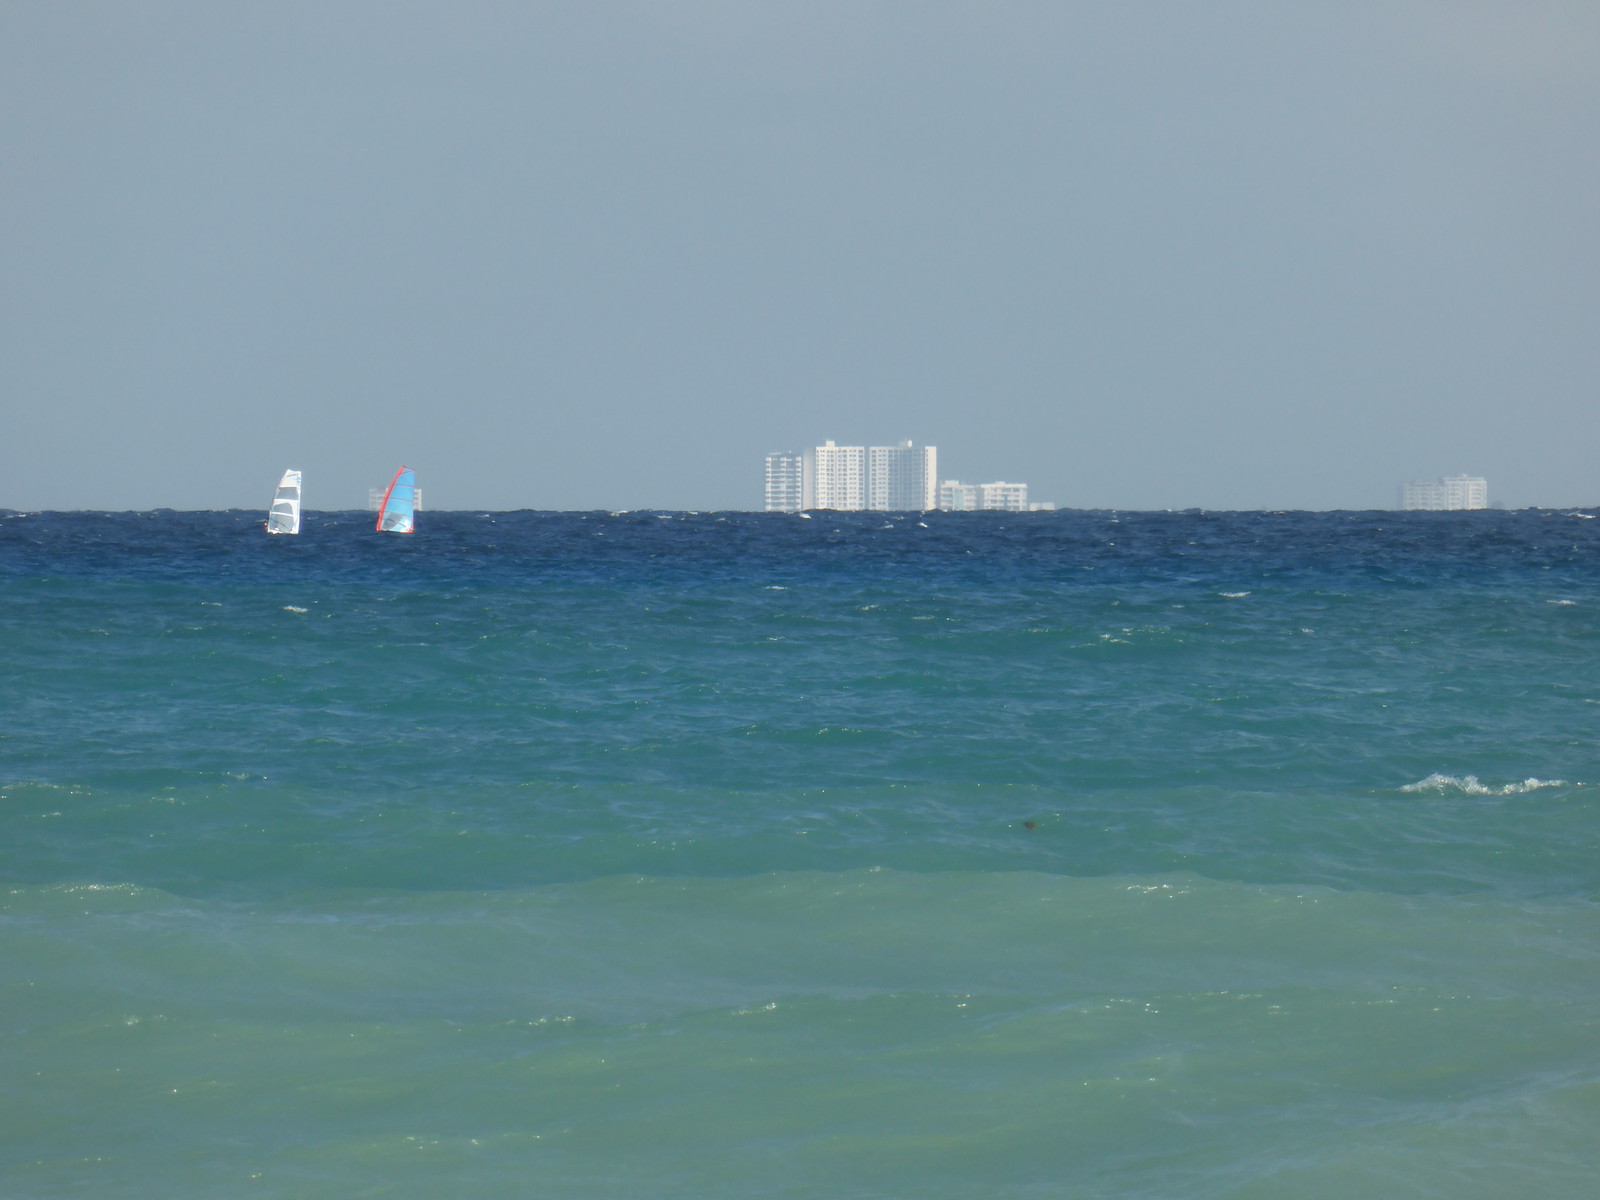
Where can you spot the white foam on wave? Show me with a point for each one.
(1470, 785)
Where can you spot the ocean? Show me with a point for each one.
(948, 856)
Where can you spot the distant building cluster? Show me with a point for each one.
(955, 496)
(902, 478)
(375, 499)
(1445, 495)
(853, 478)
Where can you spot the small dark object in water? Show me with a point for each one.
(1030, 824)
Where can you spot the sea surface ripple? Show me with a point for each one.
(1192, 856)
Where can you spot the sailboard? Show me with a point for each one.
(284, 515)
(398, 511)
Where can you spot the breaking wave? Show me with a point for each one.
(1471, 785)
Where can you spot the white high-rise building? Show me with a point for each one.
(853, 478)
(1452, 493)
(786, 482)
(838, 477)
(902, 478)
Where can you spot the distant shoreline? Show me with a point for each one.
(750, 512)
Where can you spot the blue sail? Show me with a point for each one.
(399, 503)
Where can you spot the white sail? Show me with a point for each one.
(284, 516)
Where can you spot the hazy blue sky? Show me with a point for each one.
(607, 255)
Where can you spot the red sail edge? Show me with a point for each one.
(384, 507)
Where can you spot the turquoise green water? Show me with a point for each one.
(1080, 855)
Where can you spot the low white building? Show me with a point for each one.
(1003, 497)
(955, 496)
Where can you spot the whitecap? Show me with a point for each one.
(1470, 785)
